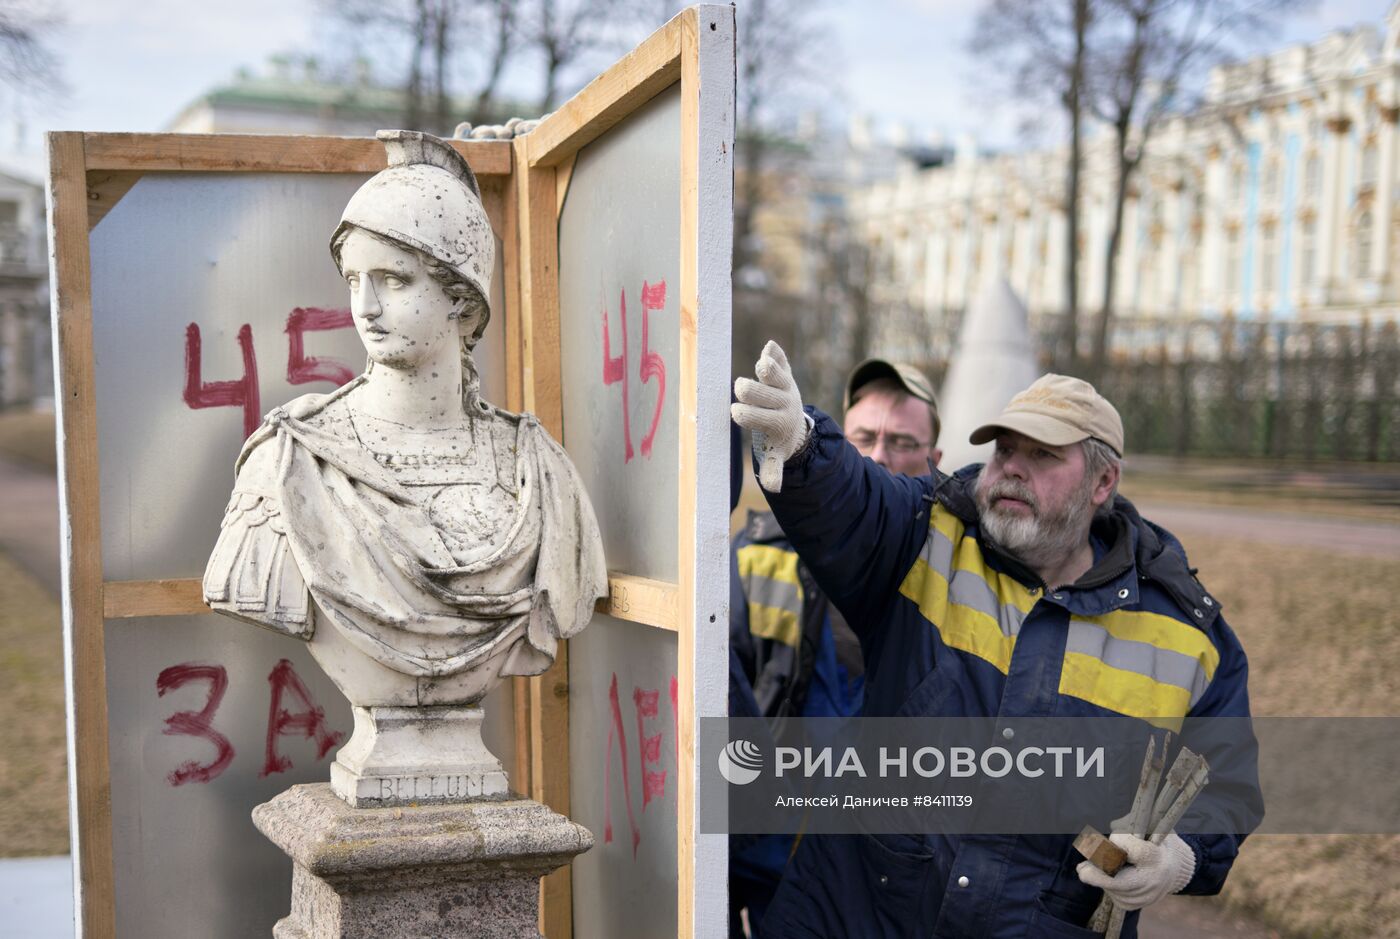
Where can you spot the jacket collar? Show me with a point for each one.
(1136, 549)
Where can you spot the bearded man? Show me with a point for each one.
(1022, 588)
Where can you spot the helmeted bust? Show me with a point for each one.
(424, 542)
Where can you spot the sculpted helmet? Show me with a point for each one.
(427, 199)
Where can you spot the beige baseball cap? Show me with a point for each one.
(1058, 410)
(906, 376)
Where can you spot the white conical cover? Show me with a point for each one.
(994, 359)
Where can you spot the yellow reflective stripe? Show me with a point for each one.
(768, 622)
(1123, 692)
(765, 560)
(967, 556)
(961, 627)
(1163, 632)
(763, 568)
(946, 524)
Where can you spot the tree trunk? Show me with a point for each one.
(442, 104)
(1115, 241)
(750, 194)
(551, 81)
(505, 16)
(413, 94)
(1075, 106)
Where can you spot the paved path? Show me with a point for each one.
(1376, 539)
(29, 521)
(36, 897)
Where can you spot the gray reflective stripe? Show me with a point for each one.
(765, 591)
(969, 590)
(1162, 665)
(937, 551)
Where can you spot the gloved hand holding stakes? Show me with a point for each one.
(771, 409)
(1153, 871)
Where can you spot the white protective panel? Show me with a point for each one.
(619, 300)
(189, 861)
(623, 775)
(220, 251)
(619, 324)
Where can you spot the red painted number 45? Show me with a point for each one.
(651, 365)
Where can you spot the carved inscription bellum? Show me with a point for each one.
(424, 542)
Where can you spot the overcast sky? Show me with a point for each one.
(134, 64)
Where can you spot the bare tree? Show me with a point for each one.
(1037, 52)
(779, 46)
(564, 31)
(435, 48)
(1146, 55)
(27, 64)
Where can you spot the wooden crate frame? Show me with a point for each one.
(523, 184)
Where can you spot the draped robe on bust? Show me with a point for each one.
(317, 523)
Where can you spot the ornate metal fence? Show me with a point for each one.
(1282, 390)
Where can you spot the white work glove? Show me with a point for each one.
(1153, 871)
(771, 409)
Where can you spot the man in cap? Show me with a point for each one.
(1022, 588)
(797, 655)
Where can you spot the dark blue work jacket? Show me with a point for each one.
(949, 627)
(782, 636)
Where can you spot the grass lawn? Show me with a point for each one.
(33, 770)
(28, 437)
(1323, 636)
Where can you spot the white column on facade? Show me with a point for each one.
(1385, 185)
(1025, 247)
(928, 295)
(962, 255)
(1126, 293)
(1055, 260)
(1212, 257)
(1331, 227)
(1166, 298)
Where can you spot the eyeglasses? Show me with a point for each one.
(895, 443)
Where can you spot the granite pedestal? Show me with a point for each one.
(461, 869)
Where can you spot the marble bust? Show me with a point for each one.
(423, 542)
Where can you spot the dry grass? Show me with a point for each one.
(33, 764)
(28, 437)
(1323, 636)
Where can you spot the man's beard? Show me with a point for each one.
(1037, 539)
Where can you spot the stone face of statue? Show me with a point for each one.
(425, 543)
(403, 316)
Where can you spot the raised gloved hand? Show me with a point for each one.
(771, 409)
(1153, 871)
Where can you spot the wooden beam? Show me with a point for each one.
(635, 79)
(85, 653)
(640, 600)
(563, 175)
(273, 153)
(547, 695)
(105, 189)
(124, 599)
(706, 220)
(539, 292)
(687, 419)
(635, 599)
